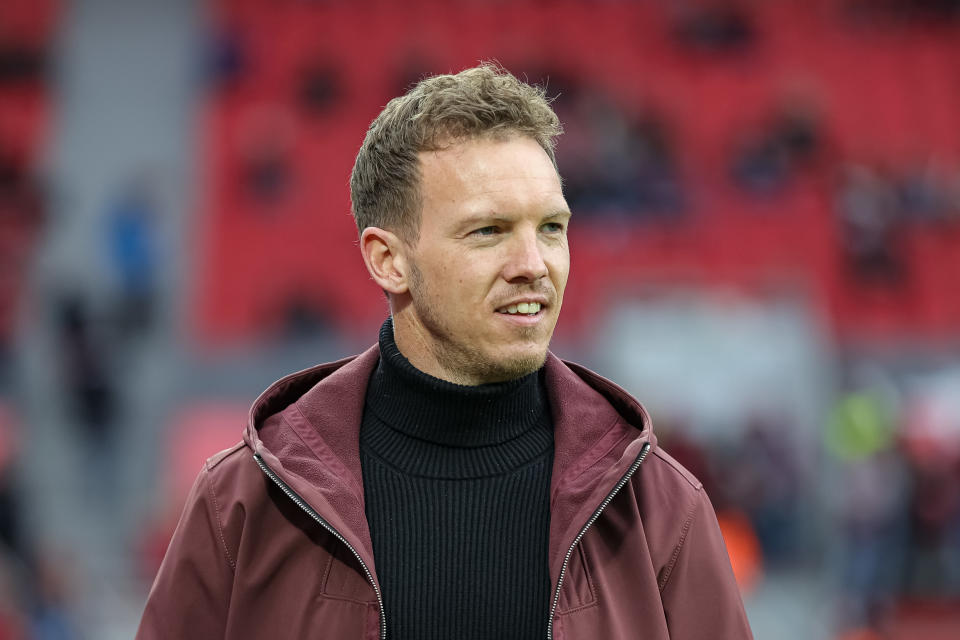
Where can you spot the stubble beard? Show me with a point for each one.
(464, 362)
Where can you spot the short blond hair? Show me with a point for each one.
(438, 111)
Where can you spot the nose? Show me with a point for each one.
(525, 261)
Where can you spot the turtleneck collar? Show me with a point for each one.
(428, 408)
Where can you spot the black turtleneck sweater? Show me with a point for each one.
(457, 482)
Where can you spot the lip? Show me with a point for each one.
(522, 319)
(542, 300)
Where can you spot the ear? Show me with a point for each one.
(384, 254)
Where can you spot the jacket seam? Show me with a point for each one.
(216, 509)
(693, 482)
(687, 525)
(214, 460)
(591, 463)
(322, 454)
(326, 572)
(328, 596)
(567, 612)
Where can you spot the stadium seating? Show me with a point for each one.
(885, 94)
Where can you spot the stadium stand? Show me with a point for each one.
(260, 258)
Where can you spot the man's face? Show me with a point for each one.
(488, 270)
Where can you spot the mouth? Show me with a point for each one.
(524, 313)
(525, 308)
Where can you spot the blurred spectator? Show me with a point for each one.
(859, 427)
(20, 63)
(615, 163)
(21, 196)
(765, 483)
(133, 252)
(267, 140)
(12, 622)
(34, 603)
(656, 165)
(935, 10)
(227, 58)
(319, 86)
(931, 441)
(87, 379)
(799, 128)
(304, 317)
(927, 191)
(714, 26)
(934, 562)
(743, 547)
(761, 164)
(869, 497)
(22, 216)
(872, 537)
(50, 616)
(12, 174)
(906, 12)
(10, 525)
(767, 158)
(870, 225)
(11, 534)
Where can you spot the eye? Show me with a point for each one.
(553, 227)
(485, 231)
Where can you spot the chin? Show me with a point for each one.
(518, 365)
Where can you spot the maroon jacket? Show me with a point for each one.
(273, 542)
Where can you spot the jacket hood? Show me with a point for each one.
(305, 427)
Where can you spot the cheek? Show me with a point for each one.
(559, 267)
(473, 281)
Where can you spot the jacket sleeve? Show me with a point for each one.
(191, 594)
(700, 595)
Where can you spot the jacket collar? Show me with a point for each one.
(306, 428)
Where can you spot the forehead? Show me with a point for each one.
(504, 174)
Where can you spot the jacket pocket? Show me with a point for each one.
(345, 579)
(578, 590)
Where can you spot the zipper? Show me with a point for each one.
(300, 502)
(596, 514)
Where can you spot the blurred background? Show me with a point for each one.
(765, 247)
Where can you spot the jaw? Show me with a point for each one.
(509, 346)
(522, 337)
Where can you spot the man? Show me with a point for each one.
(456, 480)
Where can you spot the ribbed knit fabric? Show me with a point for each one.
(457, 483)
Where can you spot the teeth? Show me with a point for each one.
(526, 308)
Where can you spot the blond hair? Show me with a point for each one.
(437, 112)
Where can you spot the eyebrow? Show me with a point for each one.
(485, 218)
